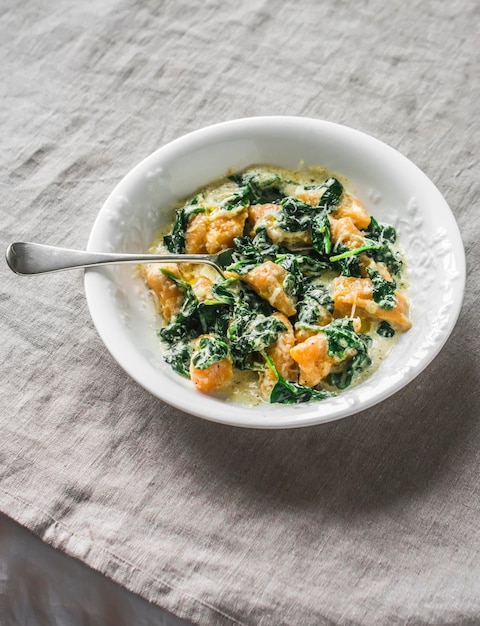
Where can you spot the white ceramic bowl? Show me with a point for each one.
(392, 188)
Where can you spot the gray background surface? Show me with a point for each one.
(370, 520)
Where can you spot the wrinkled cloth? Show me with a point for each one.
(369, 520)
(45, 587)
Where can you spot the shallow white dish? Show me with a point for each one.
(392, 188)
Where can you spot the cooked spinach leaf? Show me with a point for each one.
(392, 260)
(260, 247)
(342, 338)
(312, 266)
(321, 240)
(288, 392)
(240, 296)
(368, 245)
(226, 291)
(251, 332)
(298, 216)
(240, 198)
(385, 330)
(250, 252)
(381, 232)
(315, 303)
(195, 318)
(383, 290)
(294, 282)
(185, 324)
(214, 316)
(178, 356)
(243, 266)
(175, 242)
(332, 194)
(259, 188)
(295, 215)
(253, 302)
(210, 350)
(384, 236)
(332, 190)
(345, 262)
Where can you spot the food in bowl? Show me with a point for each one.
(393, 189)
(312, 300)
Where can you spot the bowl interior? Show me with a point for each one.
(393, 190)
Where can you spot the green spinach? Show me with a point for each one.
(330, 198)
(342, 338)
(385, 330)
(321, 240)
(259, 188)
(213, 316)
(178, 356)
(295, 215)
(349, 252)
(250, 332)
(250, 252)
(312, 266)
(185, 323)
(315, 303)
(210, 350)
(384, 236)
(175, 242)
(383, 290)
(345, 261)
(294, 282)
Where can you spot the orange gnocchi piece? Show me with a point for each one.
(196, 234)
(268, 279)
(202, 287)
(352, 207)
(279, 352)
(209, 233)
(344, 231)
(223, 228)
(309, 196)
(212, 377)
(262, 215)
(356, 294)
(313, 361)
(169, 295)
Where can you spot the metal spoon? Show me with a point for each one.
(34, 258)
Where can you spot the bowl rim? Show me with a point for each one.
(288, 416)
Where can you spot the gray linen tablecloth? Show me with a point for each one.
(370, 520)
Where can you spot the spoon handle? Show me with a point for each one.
(35, 258)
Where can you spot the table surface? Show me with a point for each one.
(116, 506)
